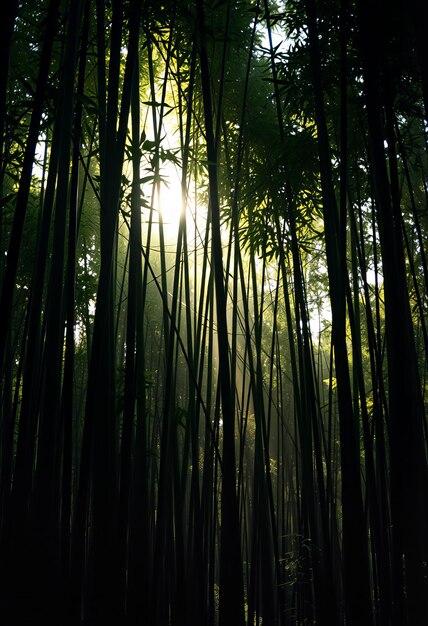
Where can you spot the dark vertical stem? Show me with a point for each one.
(408, 463)
(9, 280)
(231, 609)
(355, 548)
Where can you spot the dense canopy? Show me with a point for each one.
(214, 296)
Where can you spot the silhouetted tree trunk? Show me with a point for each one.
(406, 413)
(355, 549)
(231, 609)
(9, 279)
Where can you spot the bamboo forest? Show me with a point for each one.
(213, 301)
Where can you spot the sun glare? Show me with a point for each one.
(169, 199)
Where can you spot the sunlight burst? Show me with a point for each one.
(169, 200)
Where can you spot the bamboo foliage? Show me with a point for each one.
(213, 300)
